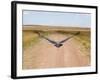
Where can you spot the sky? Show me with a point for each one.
(56, 18)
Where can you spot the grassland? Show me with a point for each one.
(38, 53)
(30, 36)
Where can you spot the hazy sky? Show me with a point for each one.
(56, 18)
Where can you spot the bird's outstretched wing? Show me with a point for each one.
(51, 41)
(68, 38)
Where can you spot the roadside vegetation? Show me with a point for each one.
(32, 38)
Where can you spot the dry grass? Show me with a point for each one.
(39, 54)
(84, 40)
(29, 38)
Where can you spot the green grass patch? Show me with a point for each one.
(84, 40)
(29, 38)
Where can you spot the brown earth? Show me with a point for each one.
(46, 55)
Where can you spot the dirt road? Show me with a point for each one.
(46, 55)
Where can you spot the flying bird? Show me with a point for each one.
(60, 43)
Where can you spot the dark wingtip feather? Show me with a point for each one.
(77, 33)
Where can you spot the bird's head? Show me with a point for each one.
(58, 45)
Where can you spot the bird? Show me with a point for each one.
(60, 43)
